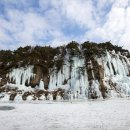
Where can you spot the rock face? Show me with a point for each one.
(76, 72)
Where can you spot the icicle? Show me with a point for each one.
(21, 75)
(74, 79)
(109, 62)
(41, 84)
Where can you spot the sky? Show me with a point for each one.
(57, 22)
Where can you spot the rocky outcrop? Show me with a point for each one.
(39, 75)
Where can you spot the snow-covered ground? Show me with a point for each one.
(111, 114)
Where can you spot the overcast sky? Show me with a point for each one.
(56, 22)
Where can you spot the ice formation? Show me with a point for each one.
(116, 67)
(21, 75)
(73, 77)
(41, 85)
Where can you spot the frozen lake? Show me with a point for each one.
(111, 114)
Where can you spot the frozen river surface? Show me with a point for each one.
(89, 115)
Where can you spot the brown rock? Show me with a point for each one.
(12, 95)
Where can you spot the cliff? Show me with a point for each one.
(75, 71)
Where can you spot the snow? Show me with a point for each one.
(87, 115)
(18, 97)
(30, 98)
(6, 97)
(21, 87)
(50, 97)
(42, 97)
